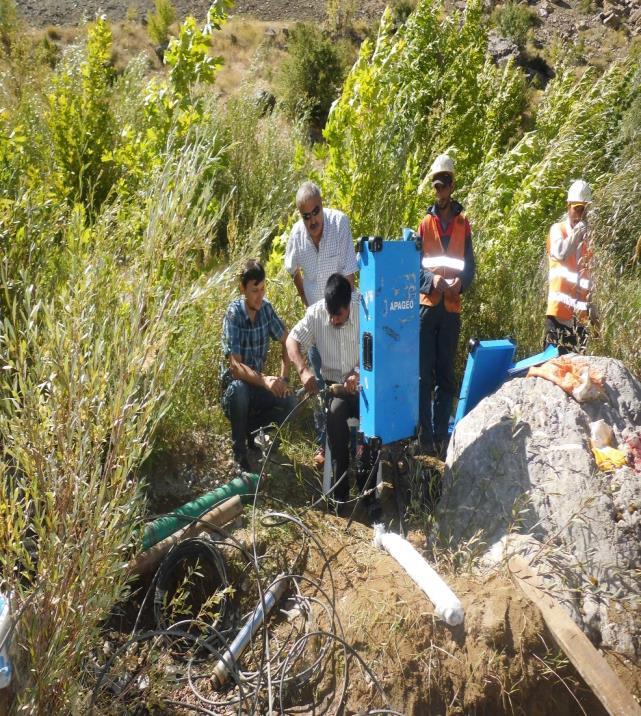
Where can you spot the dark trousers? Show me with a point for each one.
(249, 407)
(438, 339)
(568, 339)
(340, 409)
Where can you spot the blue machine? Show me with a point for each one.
(489, 365)
(389, 342)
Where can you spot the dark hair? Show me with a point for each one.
(252, 270)
(338, 293)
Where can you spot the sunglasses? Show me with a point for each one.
(577, 205)
(307, 215)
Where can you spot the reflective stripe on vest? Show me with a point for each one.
(442, 262)
(448, 264)
(568, 280)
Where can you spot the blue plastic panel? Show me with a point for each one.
(520, 367)
(486, 369)
(389, 321)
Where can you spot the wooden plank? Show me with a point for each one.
(592, 666)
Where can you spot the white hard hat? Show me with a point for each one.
(443, 164)
(579, 192)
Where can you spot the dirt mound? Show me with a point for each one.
(502, 659)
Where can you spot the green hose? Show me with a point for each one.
(168, 524)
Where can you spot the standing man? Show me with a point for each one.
(569, 282)
(320, 244)
(250, 398)
(447, 270)
(331, 326)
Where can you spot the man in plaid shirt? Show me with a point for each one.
(250, 398)
(320, 244)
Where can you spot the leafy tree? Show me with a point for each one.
(310, 77)
(80, 121)
(419, 90)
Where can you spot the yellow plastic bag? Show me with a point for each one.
(609, 458)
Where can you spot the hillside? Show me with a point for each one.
(41, 13)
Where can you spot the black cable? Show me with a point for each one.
(190, 550)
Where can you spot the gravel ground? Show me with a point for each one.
(41, 13)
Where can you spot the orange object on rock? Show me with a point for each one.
(573, 375)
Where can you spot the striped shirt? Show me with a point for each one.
(249, 340)
(338, 347)
(335, 253)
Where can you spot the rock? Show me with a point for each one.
(612, 20)
(521, 462)
(265, 101)
(501, 50)
(543, 13)
(161, 49)
(582, 25)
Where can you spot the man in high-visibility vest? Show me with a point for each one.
(447, 270)
(569, 282)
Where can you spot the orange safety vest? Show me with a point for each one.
(569, 282)
(448, 264)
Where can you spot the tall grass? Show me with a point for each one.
(85, 384)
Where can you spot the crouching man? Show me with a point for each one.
(250, 398)
(331, 326)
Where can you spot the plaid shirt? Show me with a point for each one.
(249, 340)
(335, 253)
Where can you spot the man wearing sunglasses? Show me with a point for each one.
(569, 282)
(320, 244)
(447, 269)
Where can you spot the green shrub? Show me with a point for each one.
(407, 99)
(80, 121)
(340, 16)
(8, 23)
(311, 76)
(159, 22)
(513, 21)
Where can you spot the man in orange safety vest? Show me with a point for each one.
(569, 281)
(447, 269)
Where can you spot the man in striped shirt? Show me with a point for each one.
(250, 398)
(320, 244)
(331, 325)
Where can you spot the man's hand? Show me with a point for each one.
(453, 287)
(308, 379)
(351, 383)
(277, 385)
(439, 283)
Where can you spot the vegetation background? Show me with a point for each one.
(127, 199)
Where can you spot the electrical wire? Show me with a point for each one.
(279, 666)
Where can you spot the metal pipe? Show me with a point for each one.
(230, 658)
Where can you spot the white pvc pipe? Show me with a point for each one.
(446, 604)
